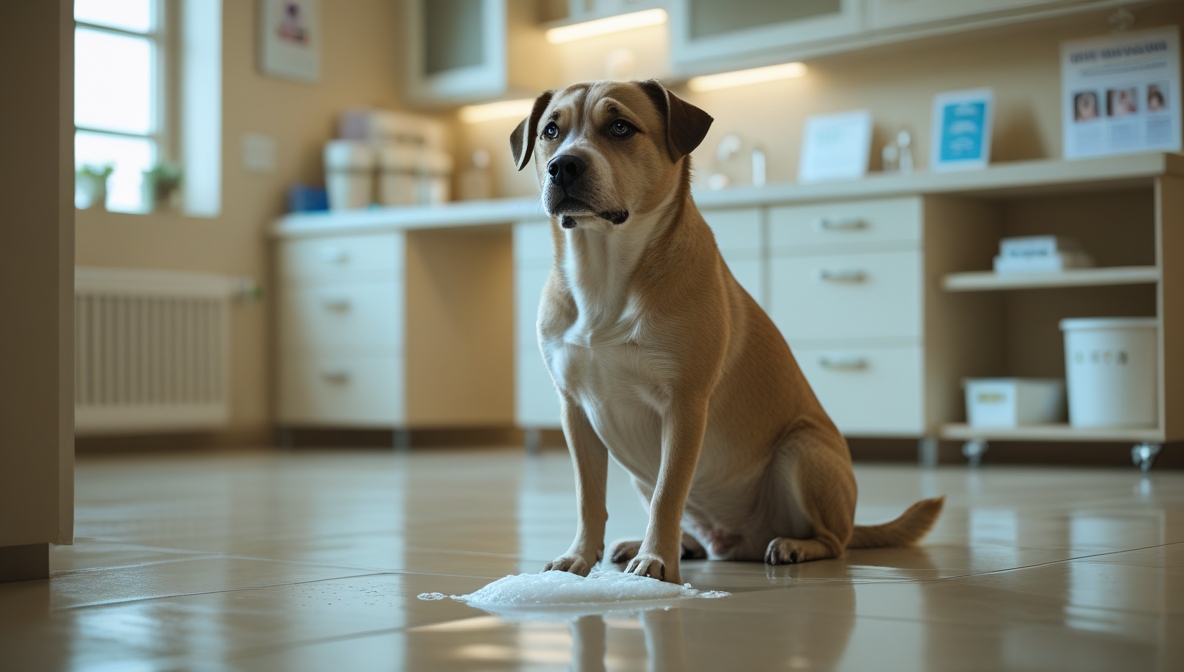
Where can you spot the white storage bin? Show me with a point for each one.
(349, 174)
(398, 180)
(1012, 402)
(1112, 365)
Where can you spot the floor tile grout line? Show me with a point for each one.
(1050, 562)
(106, 603)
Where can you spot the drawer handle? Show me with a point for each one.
(334, 255)
(335, 375)
(848, 363)
(338, 304)
(848, 224)
(840, 275)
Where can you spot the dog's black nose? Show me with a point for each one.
(566, 169)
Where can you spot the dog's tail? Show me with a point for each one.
(906, 530)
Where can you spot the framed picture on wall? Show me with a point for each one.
(290, 39)
(961, 130)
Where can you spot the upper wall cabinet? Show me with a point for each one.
(704, 31)
(464, 51)
(900, 13)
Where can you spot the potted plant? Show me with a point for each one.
(90, 185)
(162, 186)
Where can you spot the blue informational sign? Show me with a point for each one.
(961, 130)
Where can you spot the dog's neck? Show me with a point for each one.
(599, 262)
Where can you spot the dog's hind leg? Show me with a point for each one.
(624, 551)
(815, 474)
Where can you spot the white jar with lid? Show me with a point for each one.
(1111, 366)
(349, 174)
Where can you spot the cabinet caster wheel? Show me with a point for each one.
(974, 450)
(1144, 454)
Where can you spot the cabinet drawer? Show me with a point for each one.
(350, 316)
(536, 403)
(533, 243)
(875, 295)
(804, 226)
(341, 256)
(736, 230)
(367, 391)
(868, 391)
(528, 292)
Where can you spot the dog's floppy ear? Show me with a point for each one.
(686, 125)
(522, 139)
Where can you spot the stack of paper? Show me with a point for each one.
(1040, 254)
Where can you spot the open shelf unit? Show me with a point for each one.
(985, 281)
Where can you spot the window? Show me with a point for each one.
(119, 101)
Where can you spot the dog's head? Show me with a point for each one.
(608, 151)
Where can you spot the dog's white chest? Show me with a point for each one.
(618, 387)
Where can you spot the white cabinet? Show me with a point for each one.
(897, 13)
(708, 36)
(341, 336)
(461, 51)
(706, 31)
(868, 390)
(846, 291)
(536, 403)
(739, 233)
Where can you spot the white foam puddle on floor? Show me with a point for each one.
(564, 590)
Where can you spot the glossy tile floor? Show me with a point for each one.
(312, 561)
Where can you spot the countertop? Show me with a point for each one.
(1000, 180)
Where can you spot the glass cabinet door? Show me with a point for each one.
(456, 49)
(708, 30)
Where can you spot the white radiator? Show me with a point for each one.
(151, 350)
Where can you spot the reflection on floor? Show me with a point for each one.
(312, 561)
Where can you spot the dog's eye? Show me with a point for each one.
(622, 129)
(551, 131)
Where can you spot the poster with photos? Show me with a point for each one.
(1121, 93)
(290, 39)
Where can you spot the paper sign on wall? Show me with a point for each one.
(1121, 93)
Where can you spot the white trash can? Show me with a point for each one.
(1111, 366)
(349, 174)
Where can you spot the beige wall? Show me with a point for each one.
(359, 67)
(897, 83)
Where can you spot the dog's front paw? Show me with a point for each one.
(572, 562)
(653, 566)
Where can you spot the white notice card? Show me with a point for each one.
(1121, 93)
(835, 147)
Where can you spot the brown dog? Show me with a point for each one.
(662, 359)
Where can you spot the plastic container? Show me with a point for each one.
(1012, 402)
(435, 177)
(398, 175)
(349, 174)
(1111, 365)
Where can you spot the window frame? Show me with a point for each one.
(165, 111)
